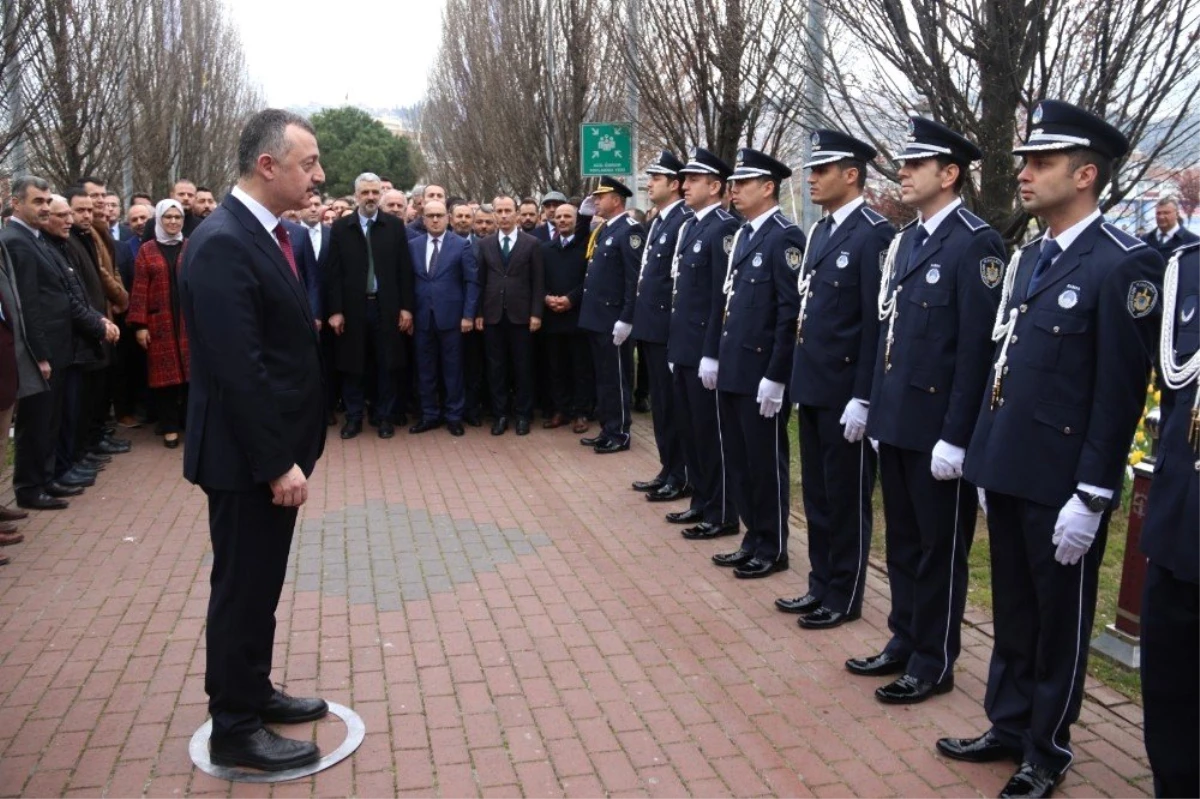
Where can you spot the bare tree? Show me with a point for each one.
(20, 23)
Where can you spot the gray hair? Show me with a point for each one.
(1165, 201)
(266, 133)
(419, 189)
(21, 185)
(366, 177)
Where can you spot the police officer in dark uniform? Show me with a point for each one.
(609, 291)
(1170, 534)
(939, 291)
(836, 341)
(700, 259)
(1075, 332)
(754, 363)
(652, 319)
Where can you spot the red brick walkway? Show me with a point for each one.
(507, 617)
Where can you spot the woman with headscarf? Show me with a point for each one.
(155, 315)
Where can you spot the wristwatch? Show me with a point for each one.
(1095, 503)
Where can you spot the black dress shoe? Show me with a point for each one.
(594, 441)
(909, 690)
(73, 479)
(610, 446)
(61, 491)
(825, 619)
(455, 428)
(500, 425)
(284, 709)
(262, 749)
(984, 749)
(42, 501)
(104, 448)
(96, 458)
(758, 567)
(649, 485)
(117, 442)
(472, 419)
(1031, 780)
(670, 493)
(733, 559)
(801, 604)
(386, 429)
(689, 516)
(706, 530)
(522, 427)
(351, 428)
(879, 665)
(424, 426)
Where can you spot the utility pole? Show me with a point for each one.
(631, 29)
(814, 97)
(552, 110)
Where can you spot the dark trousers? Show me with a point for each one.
(96, 394)
(662, 402)
(509, 348)
(354, 386)
(333, 388)
(36, 437)
(171, 402)
(836, 481)
(1171, 680)
(698, 426)
(641, 388)
(440, 352)
(543, 390)
(570, 373)
(614, 385)
(250, 540)
(128, 372)
(474, 374)
(929, 527)
(756, 455)
(72, 425)
(1043, 614)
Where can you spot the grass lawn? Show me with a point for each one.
(979, 592)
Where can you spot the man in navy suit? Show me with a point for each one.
(315, 244)
(1170, 235)
(446, 290)
(255, 429)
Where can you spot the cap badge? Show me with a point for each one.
(1037, 114)
(816, 140)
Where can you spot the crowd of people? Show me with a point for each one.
(923, 358)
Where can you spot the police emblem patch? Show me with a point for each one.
(1037, 114)
(696, 247)
(757, 259)
(608, 242)
(991, 270)
(662, 239)
(635, 241)
(1068, 299)
(933, 275)
(843, 260)
(793, 258)
(728, 244)
(1143, 298)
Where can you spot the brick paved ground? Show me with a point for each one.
(506, 616)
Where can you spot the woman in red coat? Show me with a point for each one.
(154, 313)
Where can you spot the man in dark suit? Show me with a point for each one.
(255, 430)
(1170, 235)
(370, 301)
(48, 324)
(316, 246)
(569, 357)
(446, 297)
(512, 293)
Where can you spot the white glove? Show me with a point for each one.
(670, 367)
(770, 397)
(621, 331)
(855, 420)
(708, 373)
(588, 206)
(1074, 531)
(947, 461)
(982, 500)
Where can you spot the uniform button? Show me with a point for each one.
(899, 289)
(1006, 370)
(924, 305)
(887, 368)
(836, 284)
(725, 333)
(1014, 340)
(932, 390)
(800, 340)
(758, 349)
(1024, 308)
(1001, 402)
(806, 316)
(585, 291)
(1056, 328)
(1067, 430)
(847, 359)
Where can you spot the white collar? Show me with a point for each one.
(931, 224)
(758, 221)
(264, 217)
(1169, 233)
(615, 218)
(843, 213)
(1068, 236)
(37, 234)
(363, 220)
(706, 210)
(665, 212)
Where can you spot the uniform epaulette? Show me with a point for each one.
(631, 221)
(722, 214)
(1182, 248)
(1122, 239)
(782, 220)
(973, 223)
(1033, 241)
(874, 217)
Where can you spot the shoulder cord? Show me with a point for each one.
(804, 278)
(887, 298)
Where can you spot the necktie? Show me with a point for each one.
(918, 239)
(1050, 251)
(504, 248)
(821, 238)
(372, 283)
(433, 259)
(285, 243)
(744, 240)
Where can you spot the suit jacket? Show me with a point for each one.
(942, 340)
(838, 337)
(45, 300)
(1078, 366)
(124, 232)
(542, 232)
(652, 310)
(514, 290)
(449, 292)
(1181, 237)
(256, 405)
(698, 300)
(347, 288)
(306, 264)
(564, 269)
(317, 298)
(80, 279)
(29, 377)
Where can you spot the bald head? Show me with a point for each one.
(395, 203)
(434, 214)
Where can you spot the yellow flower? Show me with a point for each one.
(1140, 438)
(1136, 457)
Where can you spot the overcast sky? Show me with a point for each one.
(304, 52)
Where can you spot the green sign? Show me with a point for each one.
(606, 148)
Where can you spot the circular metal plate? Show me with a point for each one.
(355, 732)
